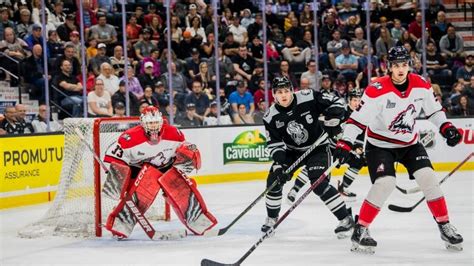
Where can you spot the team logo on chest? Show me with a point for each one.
(404, 122)
(297, 132)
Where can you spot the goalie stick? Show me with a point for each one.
(141, 219)
(397, 208)
(424, 141)
(221, 231)
(207, 262)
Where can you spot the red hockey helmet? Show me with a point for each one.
(152, 122)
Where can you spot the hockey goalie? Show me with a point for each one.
(146, 158)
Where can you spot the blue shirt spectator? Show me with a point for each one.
(241, 96)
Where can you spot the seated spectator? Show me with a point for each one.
(119, 110)
(133, 30)
(148, 96)
(357, 45)
(306, 17)
(435, 63)
(242, 116)
(103, 32)
(304, 84)
(207, 48)
(118, 61)
(70, 85)
(179, 63)
(419, 43)
(239, 32)
(451, 45)
(91, 50)
(69, 54)
(260, 112)
(326, 84)
(37, 10)
(35, 37)
(469, 90)
(226, 67)
(454, 96)
(384, 42)
(39, 123)
(464, 108)
(243, 63)
(207, 81)
(295, 32)
(285, 72)
(415, 27)
(197, 31)
(161, 95)
(230, 46)
(397, 30)
(5, 21)
(349, 28)
(64, 30)
(363, 60)
(190, 119)
(348, 11)
(24, 27)
(148, 78)
(176, 31)
(15, 48)
(334, 47)
(100, 58)
(440, 27)
(111, 81)
(406, 38)
(465, 73)
(21, 119)
(255, 28)
(133, 83)
(295, 54)
(241, 96)
(260, 93)
(75, 40)
(33, 66)
(312, 74)
(347, 64)
(9, 124)
(257, 75)
(120, 96)
(154, 59)
(256, 49)
(327, 30)
(144, 46)
(180, 87)
(212, 118)
(99, 101)
(54, 44)
(142, 106)
(188, 20)
(199, 99)
(192, 63)
(57, 16)
(246, 19)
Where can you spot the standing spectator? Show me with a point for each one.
(243, 63)
(24, 27)
(65, 29)
(120, 96)
(464, 74)
(295, 54)
(312, 74)
(99, 101)
(384, 42)
(100, 58)
(415, 27)
(24, 125)
(70, 86)
(241, 96)
(103, 32)
(144, 47)
(133, 83)
(110, 80)
(39, 123)
(452, 44)
(346, 63)
(147, 78)
(334, 47)
(199, 99)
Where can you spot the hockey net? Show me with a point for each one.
(79, 208)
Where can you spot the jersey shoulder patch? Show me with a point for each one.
(304, 96)
(270, 113)
(378, 87)
(417, 81)
(132, 137)
(172, 133)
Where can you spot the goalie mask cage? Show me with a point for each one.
(80, 208)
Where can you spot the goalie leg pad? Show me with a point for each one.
(184, 197)
(143, 189)
(117, 179)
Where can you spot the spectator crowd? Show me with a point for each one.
(345, 56)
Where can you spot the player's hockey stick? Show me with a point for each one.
(397, 208)
(207, 262)
(424, 141)
(141, 219)
(221, 231)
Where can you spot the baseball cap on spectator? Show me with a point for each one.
(194, 51)
(190, 106)
(101, 45)
(151, 6)
(213, 103)
(192, 6)
(240, 83)
(345, 45)
(159, 83)
(187, 34)
(74, 33)
(122, 83)
(326, 77)
(148, 64)
(36, 27)
(120, 105)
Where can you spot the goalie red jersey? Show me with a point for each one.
(389, 115)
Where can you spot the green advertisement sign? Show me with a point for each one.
(248, 147)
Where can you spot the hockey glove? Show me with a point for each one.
(450, 133)
(342, 152)
(280, 175)
(333, 127)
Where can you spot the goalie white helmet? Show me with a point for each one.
(152, 122)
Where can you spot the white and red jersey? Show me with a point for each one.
(134, 148)
(389, 115)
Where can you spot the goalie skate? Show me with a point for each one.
(362, 242)
(453, 241)
(345, 228)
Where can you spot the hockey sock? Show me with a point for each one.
(439, 210)
(349, 176)
(273, 202)
(333, 200)
(300, 181)
(367, 213)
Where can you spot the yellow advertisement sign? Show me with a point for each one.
(29, 164)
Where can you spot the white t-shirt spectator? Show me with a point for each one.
(102, 102)
(238, 32)
(111, 84)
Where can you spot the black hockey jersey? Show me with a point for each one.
(296, 127)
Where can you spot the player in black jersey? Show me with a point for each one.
(355, 162)
(292, 126)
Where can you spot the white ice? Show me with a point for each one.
(306, 237)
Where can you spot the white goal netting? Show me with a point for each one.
(79, 208)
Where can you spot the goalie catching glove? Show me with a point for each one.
(188, 158)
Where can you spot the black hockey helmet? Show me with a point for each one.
(398, 54)
(281, 83)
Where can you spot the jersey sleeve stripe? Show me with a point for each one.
(273, 151)
(354, 122)
(429, 116)
(371, 134)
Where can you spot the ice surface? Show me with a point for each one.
(306, 237)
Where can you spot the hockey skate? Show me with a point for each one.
(362, 242)
(345, 227)
(348, 195)
(291, 197)
(453, 240)
(269, 223)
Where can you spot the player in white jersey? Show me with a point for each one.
(388, 110)
(155, 156)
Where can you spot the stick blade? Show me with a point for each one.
(206, 262)
(396, 208)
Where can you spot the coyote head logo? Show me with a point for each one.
(404, 122)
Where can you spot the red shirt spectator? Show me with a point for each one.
(415, 27)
